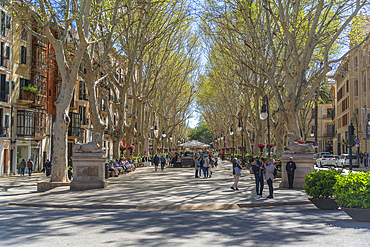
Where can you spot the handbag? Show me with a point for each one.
(251, 170)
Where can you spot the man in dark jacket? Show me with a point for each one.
(290, 168)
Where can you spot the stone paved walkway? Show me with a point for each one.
(175, 188)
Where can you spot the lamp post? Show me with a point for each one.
(265, 113)
(170, 143)
(240, 128)
(358, 148)
(163, 136)
(232, 134)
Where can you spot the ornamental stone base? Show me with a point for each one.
(305, 164)
(88, 171)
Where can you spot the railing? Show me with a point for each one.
(327, 116)
(4, 96)
(129, 115)
(4, 132)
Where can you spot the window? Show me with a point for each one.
(24, 35)
(40, 120)
(6, 121)
(7, 52)
(3, 23)
(23, 83)
(25, 123)
(74, 127)
(8, 22)
(82, 91)
(330, 112)
(364, 82)
(2, 54)
(347, 86)
(23, 55)
(39, 58)
(82, 112)
(356, 87)
(4, 88)
(355, 62)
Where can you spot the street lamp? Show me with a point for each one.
(155, 130)
(170, 143)
(232, 134)
(163, 136)
(240, 128)
(265, 114)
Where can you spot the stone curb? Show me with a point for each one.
(165, 207)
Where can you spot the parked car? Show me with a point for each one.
(344, 160)
(327, 160)
(320, 154)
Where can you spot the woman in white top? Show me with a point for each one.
(269, 176)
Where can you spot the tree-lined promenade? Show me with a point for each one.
(140, 60)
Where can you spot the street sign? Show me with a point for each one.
(357, 145)
(357, 140)
(316, 144)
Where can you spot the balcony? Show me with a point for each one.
(4, 96)
(25, 123)
(34, 99)
(4, 132)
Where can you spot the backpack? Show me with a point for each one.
(156, 160)
(275, 172)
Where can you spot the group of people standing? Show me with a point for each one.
(204, 163)
(263, 170)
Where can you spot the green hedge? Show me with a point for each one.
(319, 183)
(353, 190)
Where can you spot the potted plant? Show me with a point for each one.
(319, 186)
(28, 92)
(353, 195)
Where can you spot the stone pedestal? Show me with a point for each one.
(304, 162)
(88, 171)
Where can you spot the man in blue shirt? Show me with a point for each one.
(156, 162)
(163, 162)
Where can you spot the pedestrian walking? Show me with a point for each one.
(156, 162)
(223, 156)
(47, 167)
(258, 169)
(366, 158)
(236, 173)
(163, 162)
(269, 176)
(202, 167)
(197, 167)
(210, 166)
(206, 167)
(290, 168)
(22, 166)
(361, 156)
(30, 167)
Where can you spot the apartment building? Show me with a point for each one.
(6, 87)
(353, 83)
